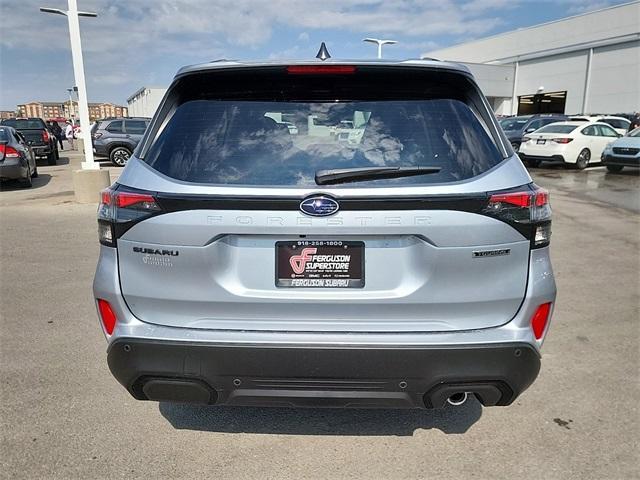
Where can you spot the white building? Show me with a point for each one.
(589, 63)
(145, 101)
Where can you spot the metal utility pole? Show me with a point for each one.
(72, 15)
(380, 43)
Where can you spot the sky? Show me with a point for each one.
(135, 43)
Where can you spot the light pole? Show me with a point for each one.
(78, 70)
(380, 43)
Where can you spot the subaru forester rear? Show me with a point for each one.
(389, 251)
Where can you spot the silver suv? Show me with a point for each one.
(391, 250)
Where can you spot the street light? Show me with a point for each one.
(380, 43)
(72, 15)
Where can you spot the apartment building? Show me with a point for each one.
(69, 109)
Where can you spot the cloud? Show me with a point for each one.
(584, 6)
(156, 25)
(131, 43)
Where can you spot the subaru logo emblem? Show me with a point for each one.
(319, 206)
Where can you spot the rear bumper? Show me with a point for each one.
(324, 368)
(557, 159)
(100, 149)
(319, 376)
(625, 161)
(13, 169)
(41, 151)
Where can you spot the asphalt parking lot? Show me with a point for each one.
(64, 416)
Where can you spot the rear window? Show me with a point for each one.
(284, 142)
(557, 129)
(25, 124)
(4, 137)
(617, 123)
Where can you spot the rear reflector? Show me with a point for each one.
(107, 316)
(540, 319)
(321, 69)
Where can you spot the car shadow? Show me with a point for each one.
(9, 185)
(292, 421)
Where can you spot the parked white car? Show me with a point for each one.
(567, 143)
(619, 124)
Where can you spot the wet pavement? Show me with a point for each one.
(621, 190)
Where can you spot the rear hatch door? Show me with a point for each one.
(238, 245)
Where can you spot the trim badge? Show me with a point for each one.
(491, 253)
(319, 206)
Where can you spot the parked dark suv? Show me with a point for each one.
(117, 138)
(516, 127)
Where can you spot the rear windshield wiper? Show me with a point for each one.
(346, 175)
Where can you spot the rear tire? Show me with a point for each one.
(51, 158)
(26, 182)
(119, 156)
(583, 159)
(614, 168)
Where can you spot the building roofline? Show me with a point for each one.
(142, 89)
(523, 29)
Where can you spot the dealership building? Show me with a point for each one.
(588, 63)
(144, 102)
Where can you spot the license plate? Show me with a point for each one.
(320, 264)
(541, 141)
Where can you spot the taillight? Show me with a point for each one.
(321, 69)
(96, 136)
(119, 210)
(45, 136)
(107, 317)
(525, 139)
(562, 140)
(8, 152)
(540, 319)
(527, 210)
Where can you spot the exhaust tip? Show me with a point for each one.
(457, 398)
